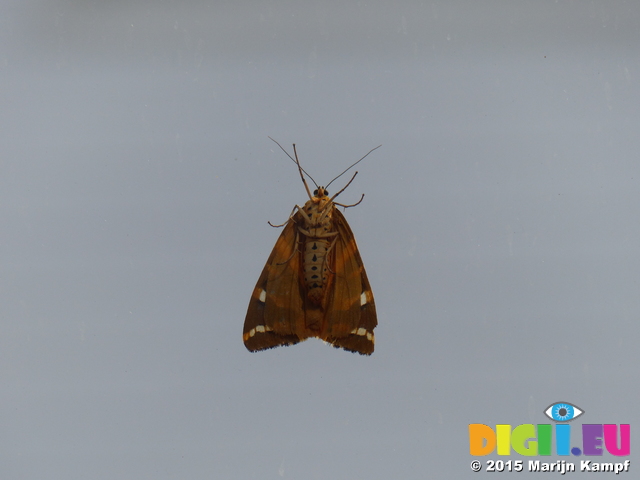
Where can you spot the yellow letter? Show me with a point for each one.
(504, 439)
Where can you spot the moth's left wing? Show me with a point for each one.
(276, 310)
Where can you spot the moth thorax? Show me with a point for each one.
(319, 212)
(315, 268)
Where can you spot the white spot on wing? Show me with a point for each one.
(363, 298)
(363, 332)
(263, 295)
(258, 329)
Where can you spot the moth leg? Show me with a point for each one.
(317, 235)
(326, 256)
(327, 209)
(288, 220)
(347, 206)
(345, 187)
(305, 216)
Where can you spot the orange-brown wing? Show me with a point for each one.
(276, 308)
(351, 311)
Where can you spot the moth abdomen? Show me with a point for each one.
(315, 268)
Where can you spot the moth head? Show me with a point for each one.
(320, 192)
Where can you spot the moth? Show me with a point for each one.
(314, 283)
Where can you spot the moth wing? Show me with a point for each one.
(351, 309)
(276, 308)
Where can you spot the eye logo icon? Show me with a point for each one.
(563, 412)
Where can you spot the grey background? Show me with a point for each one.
(500, 230)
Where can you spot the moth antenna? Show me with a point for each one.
(294, 161)
(349, 167)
